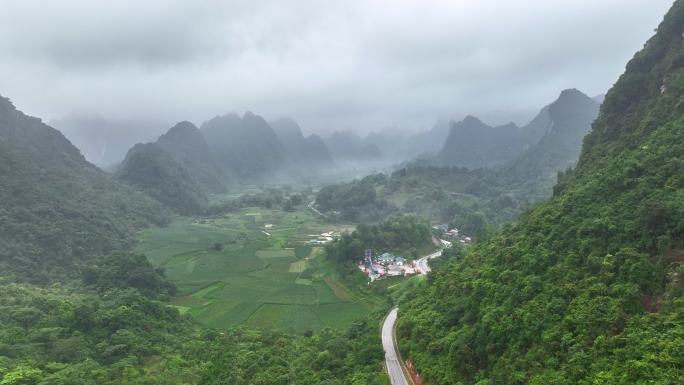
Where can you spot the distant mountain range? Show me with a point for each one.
(187, 146)
(302, 151)
(105, 142)
(246, 146)
(474, 144)
(391, 145)
(556, 132)
(233, 149)
(429, 188)
(349, 146)
(153, 170)
(186, 164)
(565, 122)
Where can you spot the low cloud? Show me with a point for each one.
(362, 64)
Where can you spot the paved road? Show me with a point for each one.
(392, 362)
(396, 374)
(422, 264)
(312, 207)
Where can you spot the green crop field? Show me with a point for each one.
(254, 267)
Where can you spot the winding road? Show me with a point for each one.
(392, 360)
(392, 356)
(422, 263)
(312, 207)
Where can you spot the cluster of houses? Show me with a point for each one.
(322, 238)
(385, 265)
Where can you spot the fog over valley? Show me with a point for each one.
(365, 66)
(423, 192)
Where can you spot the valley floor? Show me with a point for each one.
(255, 267)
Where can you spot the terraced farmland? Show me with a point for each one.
(254, 267)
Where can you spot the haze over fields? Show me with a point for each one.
(343, 193)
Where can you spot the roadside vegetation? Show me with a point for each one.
(587, 288)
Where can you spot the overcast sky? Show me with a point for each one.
(363, 64)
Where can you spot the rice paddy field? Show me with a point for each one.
(254, 267)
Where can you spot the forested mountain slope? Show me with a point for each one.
(245, 146)
(568, 120)
(474, 199)
(588, 288)
(474, 144)
(557, 129)
(102, 317)
(152, 170)
(185, 143)
(56, 209)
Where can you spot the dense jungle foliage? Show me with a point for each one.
(56, 209)
(76, 309)
(406, 235)
(474, 200)
(153, 171)
(112, 327)
(588, 288)
(469, 200)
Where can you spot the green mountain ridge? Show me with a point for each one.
(185, 143)
(50, 195)
(474, 199)
(568, 120)
(151, 169)
(77, 312)
(245, 146)
(474, 144)
(587, 288)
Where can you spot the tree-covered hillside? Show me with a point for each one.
(533, 173)
(588, 288)
(403, 234)
(56, 209)
(469, 200)
(245, 146)
(153, 171)
(356, 201)
(185, 143)
(474, 200)
(112, 326)
(72, 312)
(474, 144)
(549, 142)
